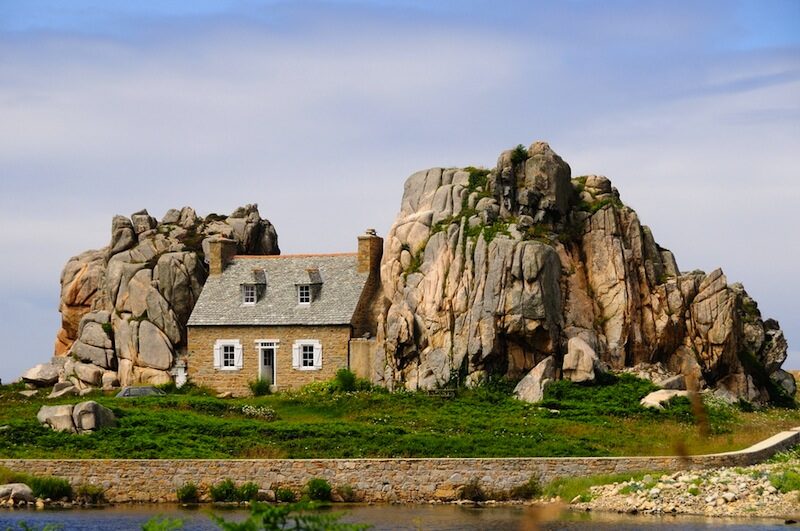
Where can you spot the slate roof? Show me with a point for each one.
(335, 299)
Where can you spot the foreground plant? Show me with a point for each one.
(301, 516)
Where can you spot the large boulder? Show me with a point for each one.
(657, 399)
(16, 492)
(155, 348)
(88, 373)
(785, 381)
(57, 417)
(90, 416)
(41, 375)
(531, 388)
(580, 361)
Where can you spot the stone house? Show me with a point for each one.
(287, 319)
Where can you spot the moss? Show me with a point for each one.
(595, 206)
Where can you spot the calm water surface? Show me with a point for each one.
(382, 517)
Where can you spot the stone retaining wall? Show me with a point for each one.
(382, 480)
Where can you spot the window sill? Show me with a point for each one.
(229, 369)
(308, 368)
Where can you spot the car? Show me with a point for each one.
(143, 390)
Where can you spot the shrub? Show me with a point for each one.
(49, 487)
(262, 412)
(188, 493)
(282, 494)
(520, 154)
(91, 494)
(472, 491)
(786, 480)
(346, 493)
(528, 490)
(247, 492)
(345, 380)
(224, 491)
(259, 387)
(318, 489)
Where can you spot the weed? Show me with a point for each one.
(318, 489)
(224, 491)
(694, 491)
(259, 387)
(528, 490)
(282, 494)
(347, 493)
(472, 491)
(786, 480)
(247, 492)
(188, 493)
(90, 494)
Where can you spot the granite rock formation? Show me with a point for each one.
(490, 272)
(124, 308)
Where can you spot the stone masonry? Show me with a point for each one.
(378, 480)
(201, 351)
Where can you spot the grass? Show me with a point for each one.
(42, 486)
(571, 487)
(573, 420)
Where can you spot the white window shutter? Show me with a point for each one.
(217, 356)
(296, 356)
(237, 356)
(317, 355)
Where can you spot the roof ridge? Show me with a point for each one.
(300, 255)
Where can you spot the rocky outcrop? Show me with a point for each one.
(83, 417)
(493, 271)
(124, 308)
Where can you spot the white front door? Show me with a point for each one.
(267, 367)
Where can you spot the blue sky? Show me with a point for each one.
(318, 111)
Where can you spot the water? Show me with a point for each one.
(382, 517)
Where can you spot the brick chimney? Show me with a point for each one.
(220, 252)
(370, 250)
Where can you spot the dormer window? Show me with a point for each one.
(304, 294)
(248, 294)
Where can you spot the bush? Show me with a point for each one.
(188, 493)
(520, 154)
(472, 491)
(346, 493)
(247, 492)
(259, 387)
(318, 489)
(345, 380)
(224, 491)
(49, 487)
(91, 494)
(528, 490)
(282, 494)
(786, 480)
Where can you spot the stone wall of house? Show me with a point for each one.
(362, 356)
(379, 480)
(200, 357)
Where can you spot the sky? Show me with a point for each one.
(318, 111)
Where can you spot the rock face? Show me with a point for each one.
(124, 308)
(493, 271)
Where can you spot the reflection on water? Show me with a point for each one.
(382, 517)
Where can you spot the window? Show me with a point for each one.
(228, 355)
(248, 294)
(307, 355)
(304, 294)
